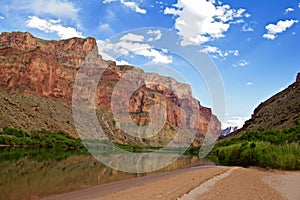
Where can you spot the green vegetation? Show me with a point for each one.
(266, 148)
(38, 154)
(42, 138)
(262, 154)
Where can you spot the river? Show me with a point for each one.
(35, 173)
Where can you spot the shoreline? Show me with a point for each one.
(105, 190)
(212, 182)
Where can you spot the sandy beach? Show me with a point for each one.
(198, 183)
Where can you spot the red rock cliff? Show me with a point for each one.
(30, 66)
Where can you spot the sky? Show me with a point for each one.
(254, 45)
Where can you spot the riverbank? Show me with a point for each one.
(272, 149)
(209, 183)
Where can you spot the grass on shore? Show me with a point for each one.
(265, 148)
(263, 154)
(38, 139)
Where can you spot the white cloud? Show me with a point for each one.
(133, 6)
(133, 44)
(155, 55)
(155, 33)
(1, 17)
(247, 15)
(210, 49)
(105, 27)
(247, 28)
(56, 8)
(241, 63)
(234, 122)
(298, 5)
(288, 10)
(171, 11)
(249, 83)
(132, 37)
(269, 36)
(129, 4)
(122, 62)
(52, 26)
(165, 50)
(103, 47)
(217, 53)
(200, 21)
(279, 27)
(108, 1)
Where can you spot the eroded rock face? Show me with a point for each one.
(46, 68)
(278, 112)
(34, 67)
(298, 77)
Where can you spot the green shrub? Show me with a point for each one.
(264, 154)
(42, 138)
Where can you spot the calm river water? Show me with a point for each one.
(34, 173)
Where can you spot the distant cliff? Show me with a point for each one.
(278, 112)
(36, 84)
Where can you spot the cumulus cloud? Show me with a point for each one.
(129, 4)
(1, 17)
(155, 55)
(249, 83)
(279, 27)
(200, 21)
(247, 28)
(241, 63)
(216, 53)
(133, 37)
(133, 6)
(52, 26)
(56, 8)
(171, 11)
(103, 49)
(288, 10)
(122, 62)
(133, 44)
(155, 33)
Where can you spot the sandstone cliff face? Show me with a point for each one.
(46, 68)
(34, 67)
(278, 112)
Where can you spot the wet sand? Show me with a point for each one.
(246, 184)
(288, 183)
(198, 183)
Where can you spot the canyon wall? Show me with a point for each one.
(46, 70)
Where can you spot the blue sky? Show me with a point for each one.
(254, 44)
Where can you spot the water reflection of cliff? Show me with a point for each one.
(30, 174)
